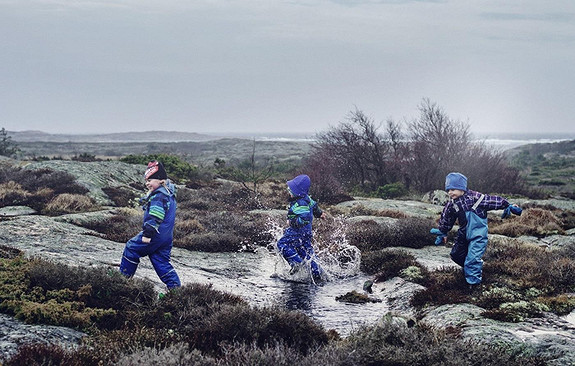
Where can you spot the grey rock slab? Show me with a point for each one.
(549, 336)
(411, 208)
(10, 211)
(14, 333)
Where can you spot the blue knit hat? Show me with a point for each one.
(456, 181)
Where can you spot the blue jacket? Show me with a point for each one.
(160, 214)
(302, 208)
(301, 212)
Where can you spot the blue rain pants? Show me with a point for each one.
(159, 254)
(467, 253)
(295, 246)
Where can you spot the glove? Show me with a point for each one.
(440, 235)
(516, 210)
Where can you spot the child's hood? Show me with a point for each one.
(169, 189)
(299, 186)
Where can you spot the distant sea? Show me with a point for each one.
(502, 141)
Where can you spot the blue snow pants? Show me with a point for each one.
(159, 254)
(295, 246)
(467, 253)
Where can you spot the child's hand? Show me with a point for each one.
(146, 240)
(441, 237)
(325, 215)
(516, 210)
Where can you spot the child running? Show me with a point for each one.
(155, 239)
(296, 243)
(469, 208)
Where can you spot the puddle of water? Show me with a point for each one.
(252, 276)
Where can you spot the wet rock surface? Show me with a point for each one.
(14, 333)
(59, 239)
(550, 336)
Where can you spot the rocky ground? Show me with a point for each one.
(61, 239)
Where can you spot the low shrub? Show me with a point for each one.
(534, 222)
(66, 203)
(120, 227)
(13, 194)
(38, 291)
(387, 263)
(392, 190)
(35, 188)
(519, 281)
(122, 196)
(209, 242)
(405, 232)
(516, 311)
(561, 305)
(443, 286)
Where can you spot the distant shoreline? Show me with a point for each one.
(502, 141)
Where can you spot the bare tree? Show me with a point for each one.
(438, 145)
(250, 173)
(358, 149)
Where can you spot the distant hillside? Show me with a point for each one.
(547, 166)
(197, 152)
(145, 136)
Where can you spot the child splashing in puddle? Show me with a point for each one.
(295, 244)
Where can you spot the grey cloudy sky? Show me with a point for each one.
(95, 66)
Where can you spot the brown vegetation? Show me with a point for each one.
(36, 188)
(519, 281)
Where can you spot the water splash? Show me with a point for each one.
(333, 252)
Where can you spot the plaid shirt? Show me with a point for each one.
(465, 203)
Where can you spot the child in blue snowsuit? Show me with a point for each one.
(469, 208)
(155, 239)
(295, 245)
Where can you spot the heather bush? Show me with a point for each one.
(120, 227)
(33, 180)
(35, 188)
(207, 319)
(443, 286)
(388, 263)
(122, 196)
(392, 343)
(519, 281)
(13, 194)
(9, 252)
(534, 221)
(516, 311)
(561, 305)
(360, 210)
(209, 242)
(38, 291)
(405, 232)
(66, 203)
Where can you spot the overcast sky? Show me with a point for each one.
(284, 66)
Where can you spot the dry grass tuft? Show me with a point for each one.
(536, 222)
(69, 203)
